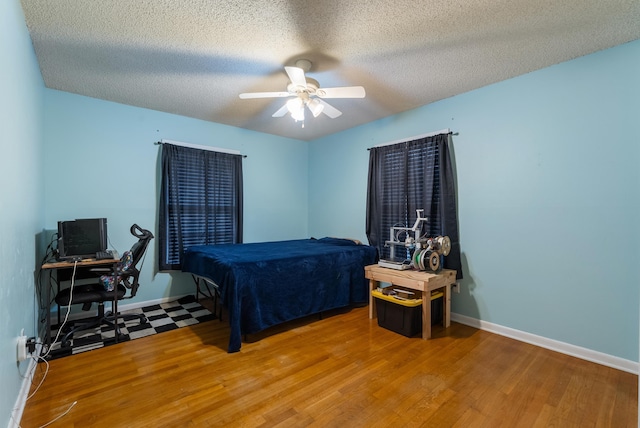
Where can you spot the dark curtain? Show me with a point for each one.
(200, 201)
(449, 210)
(408, 176)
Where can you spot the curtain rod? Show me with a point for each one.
(416, 137)
(196, 146)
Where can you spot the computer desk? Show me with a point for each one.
(79, 266)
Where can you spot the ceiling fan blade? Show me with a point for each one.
(281, 111)
(248, 95)
(341, 92)
(329, 110)
(296, 75)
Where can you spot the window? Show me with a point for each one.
(408, 176)
(200, 201)
(407, 172)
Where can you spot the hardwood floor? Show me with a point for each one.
(340, 371)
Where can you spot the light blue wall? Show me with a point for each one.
(21, 194)
(101, 162)
(548, 179)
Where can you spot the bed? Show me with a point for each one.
(268, 283)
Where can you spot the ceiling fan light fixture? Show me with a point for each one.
(294, 105)
(315, 107)
(304, 91)
(298, 116)
(296, 108)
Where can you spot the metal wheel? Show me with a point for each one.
(445, 244)
(433, 260)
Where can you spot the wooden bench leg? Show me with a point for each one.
(426, 314)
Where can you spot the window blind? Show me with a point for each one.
(201, 201)
(409, 180)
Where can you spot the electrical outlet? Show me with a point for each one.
(32, 344)
(455, 288)
(22, 347)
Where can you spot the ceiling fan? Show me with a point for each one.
(307, 92)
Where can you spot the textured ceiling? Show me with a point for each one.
(193, 57)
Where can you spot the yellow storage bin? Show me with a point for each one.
(404, 316)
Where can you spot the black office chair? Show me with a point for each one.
(126, 279)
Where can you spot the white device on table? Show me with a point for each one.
(391, 264)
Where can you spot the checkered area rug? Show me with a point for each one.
(160, 318)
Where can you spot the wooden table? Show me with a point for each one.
(80, 264)
(425, 282)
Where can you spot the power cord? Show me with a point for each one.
(66, 316)
(48, 351)
(44, 376)
(61, 415)
(50, 254)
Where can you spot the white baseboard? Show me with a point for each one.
(27, 381)
(554, 345)
(129, 306)
(121, 308)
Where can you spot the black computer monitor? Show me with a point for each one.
(81, 238)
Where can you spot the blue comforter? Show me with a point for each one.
(268, 283)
